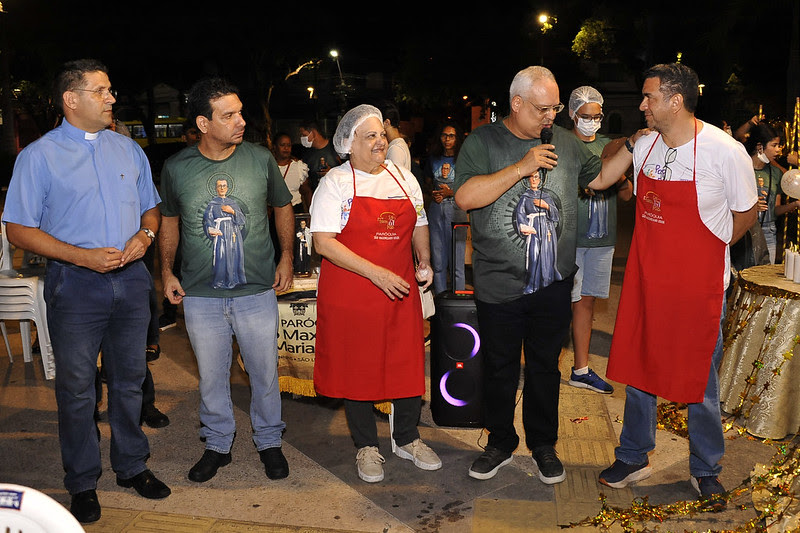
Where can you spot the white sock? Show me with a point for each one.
(581, 371)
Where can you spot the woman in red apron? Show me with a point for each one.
(369, 327)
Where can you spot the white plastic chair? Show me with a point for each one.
(22, 298)
(30, 511)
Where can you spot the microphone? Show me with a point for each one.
(547, 138)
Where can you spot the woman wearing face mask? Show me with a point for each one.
(764, 145)
(368, 223)
(597, 235)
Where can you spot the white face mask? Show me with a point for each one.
(305, 142)
(587, 127)
(763, 158)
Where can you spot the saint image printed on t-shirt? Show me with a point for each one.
(302, 252)
(598, 213)
(536, 221)
(223, 223)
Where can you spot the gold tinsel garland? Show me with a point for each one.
(774, 489)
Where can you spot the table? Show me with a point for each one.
(297, 333)
(760, 369)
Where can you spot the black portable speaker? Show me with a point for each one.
(456, 360)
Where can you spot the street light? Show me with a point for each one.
(335, 56)
(546, 24)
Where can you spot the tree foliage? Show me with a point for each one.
(594, 40)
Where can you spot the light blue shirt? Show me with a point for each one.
(88, 190)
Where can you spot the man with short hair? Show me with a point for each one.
(493, 172)
(318, 153)
(695, 195)
(83, 196)
(220, 190)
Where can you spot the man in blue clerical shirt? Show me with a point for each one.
(83, 196)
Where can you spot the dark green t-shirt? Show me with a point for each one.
(499, 251)
(604, 231)
(226, 245)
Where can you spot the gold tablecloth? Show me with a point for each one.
(760, 371)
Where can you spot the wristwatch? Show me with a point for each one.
(150, 234)
(628, 145)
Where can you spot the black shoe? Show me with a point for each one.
(153, 417)
(275, 463)
(489, 462)
(165, 322)
(85, 507)
(152, 352)
(207, 466)
(550, 468)
(147, 485)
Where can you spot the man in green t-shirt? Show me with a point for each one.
(220, 191)
(493, 170)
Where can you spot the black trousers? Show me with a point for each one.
(364, 429)
(535, 325)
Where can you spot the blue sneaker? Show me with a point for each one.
(711, 491)
(590, 381)
(620, 475)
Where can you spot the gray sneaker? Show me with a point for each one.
(421, 454)
(370, 464)
(489, 462)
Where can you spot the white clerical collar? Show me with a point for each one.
(90, 136)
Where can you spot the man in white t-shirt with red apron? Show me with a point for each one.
(695, 195)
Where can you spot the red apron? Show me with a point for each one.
(368, 346)
(669, 311)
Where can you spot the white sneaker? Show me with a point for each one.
(370, 464)
(421, 454)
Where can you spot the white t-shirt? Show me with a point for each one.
(297, 175)
(330, 206)
(399, 153)
(724, 172)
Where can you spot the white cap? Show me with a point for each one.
(583, 95)
(343, 138)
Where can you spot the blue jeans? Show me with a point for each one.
(211, 324)
(440, 224)
(706, 441)
(770, 235)
(88, 312)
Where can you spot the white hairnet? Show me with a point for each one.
(583, 95)
(343, 138)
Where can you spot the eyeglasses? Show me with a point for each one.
(669, 158)
(593, 118)
(448, 135)
(543, 110)
(102, 92)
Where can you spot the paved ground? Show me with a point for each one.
(323, 492)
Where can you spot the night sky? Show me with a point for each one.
(436, 51)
